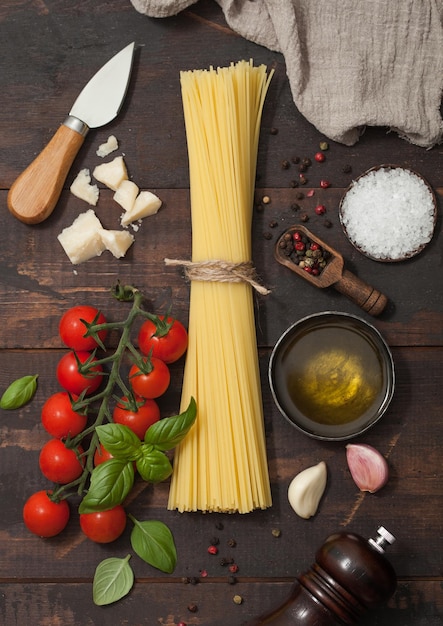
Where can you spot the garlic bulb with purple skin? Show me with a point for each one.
(368, 467)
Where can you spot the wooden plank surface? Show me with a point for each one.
(47, 52)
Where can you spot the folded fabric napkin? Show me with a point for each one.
(350, 63)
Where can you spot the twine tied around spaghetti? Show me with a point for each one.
(220, 271)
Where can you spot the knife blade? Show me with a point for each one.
(35, 193)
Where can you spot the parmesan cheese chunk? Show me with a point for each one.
(82, 188)
(112, 173)
(145, 204)
(81, 241)
(106, 148)
(126, 194)
(116, 241)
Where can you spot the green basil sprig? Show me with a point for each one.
(153, 542)
(19, 392)
(112, 480)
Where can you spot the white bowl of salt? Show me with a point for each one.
(389, 213)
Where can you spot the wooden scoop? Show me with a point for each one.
(334, 275)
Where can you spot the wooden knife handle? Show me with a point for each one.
(367, 298)
(36, 191)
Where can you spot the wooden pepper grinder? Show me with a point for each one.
(349, 577)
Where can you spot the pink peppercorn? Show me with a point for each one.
(299, 245)
(213, 550)
(320, 209)
(314, 246)
(296, 236)
(324, 184)
(233, 568)
(320, 157)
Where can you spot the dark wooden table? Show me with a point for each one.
(48, 50)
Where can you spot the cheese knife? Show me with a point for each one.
(34, 194)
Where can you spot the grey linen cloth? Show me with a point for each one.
(350, 63)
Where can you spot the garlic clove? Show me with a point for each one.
(306, 489)
(368, 467)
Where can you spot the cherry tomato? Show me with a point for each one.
(168, 340)
(104, 526)
(138, 421)
(101, 455)
(43, 517)
(58, 463)
(58, 418)
(70, 378)
(72, 329)
(153, 384)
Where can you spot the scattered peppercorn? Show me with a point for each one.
(267, 235)
(193, 580)
(324, 184)
(295, 159)
(266, 199)
(276, 532)
(310, 193)
(307, 162)
(302, 167)
(232, 543)
(232, 580)
(304, 217)
(233, 568)
(319, 157)
(285, 165)
(185, 580)
(320, 209)
(203, 573)
(192, 608)
(237, 599)
(213, 550)
(323, 145)
(303, 179)
(274, 131)
(295, 206)
(219, 526)
(273, 224)
(294, 184)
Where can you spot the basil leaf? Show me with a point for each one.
(153, 466)
(113, 579)
(111, 482)
(168, 432)
(19, 393)
(153, 543)
(119, 440)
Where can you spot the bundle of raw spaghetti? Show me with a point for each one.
(221, 465)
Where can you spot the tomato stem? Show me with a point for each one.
(100, 402)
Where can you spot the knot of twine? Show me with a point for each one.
(220, 271)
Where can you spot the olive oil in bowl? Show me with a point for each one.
(332, 375)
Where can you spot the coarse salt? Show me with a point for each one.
(389, 213)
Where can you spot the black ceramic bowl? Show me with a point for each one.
(332, 375)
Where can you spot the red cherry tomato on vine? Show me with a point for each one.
(60, 464)
(72, 329)
(167, 340)
(138, 421)
(101, 455)
(58, 418)
(72, 380)
(152, 384)
(104, 526)
(43, 517)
